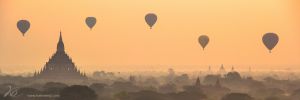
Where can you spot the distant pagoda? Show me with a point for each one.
(60, 67)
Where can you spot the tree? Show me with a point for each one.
(5, 98)
(54, 87)
(77, 92)
(98, 86)
(272, 98)
(168, 88)
(182, 79)
(147, 95)
(211, 79)
(295, 95)
(233, 76)
(124, 86)
(188, 95)
(151, 81)
(122, 96)
(237, 96)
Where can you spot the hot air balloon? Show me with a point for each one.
(90, 22)
(270, 40)
(203, 40)
(23, 26)
(151, 19)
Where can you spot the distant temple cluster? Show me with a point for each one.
(60, 67)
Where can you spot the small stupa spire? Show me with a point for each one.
(218, 84)
(198, 83)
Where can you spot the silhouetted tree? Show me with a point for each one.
(233, 76)
(270, 79)
(237, 96)
(5, 98)
(124, 86)
(295, 95)
(168, 88)
(132, 79)
(188, 95)
(54, 87)
(77, 92)
(98, 87)
(267, 92)
(182, 79)
(147, 95)
(211, 79)
(122, 96)
(272, 98)
(151, 81)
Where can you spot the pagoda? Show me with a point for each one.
(60, 67)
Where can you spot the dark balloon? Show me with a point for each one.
(90, 22)
(151, 19)
(270, 40)
(203, 40)
(23, 26)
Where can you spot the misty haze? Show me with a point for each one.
(149, 50)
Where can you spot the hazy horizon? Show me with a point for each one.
(164, 68)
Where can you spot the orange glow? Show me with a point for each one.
(121, 36)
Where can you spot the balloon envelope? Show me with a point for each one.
(203, 40)
(151, 19)
(270, 40)
(23, 26)
(90, 22)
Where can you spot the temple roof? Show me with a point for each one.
(60, 64)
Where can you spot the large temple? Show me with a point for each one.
(60, 67)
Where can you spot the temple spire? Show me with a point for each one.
(198, 83)
(218, 84)
(60, 37)
(60, 44)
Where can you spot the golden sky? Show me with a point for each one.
(122, 38)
